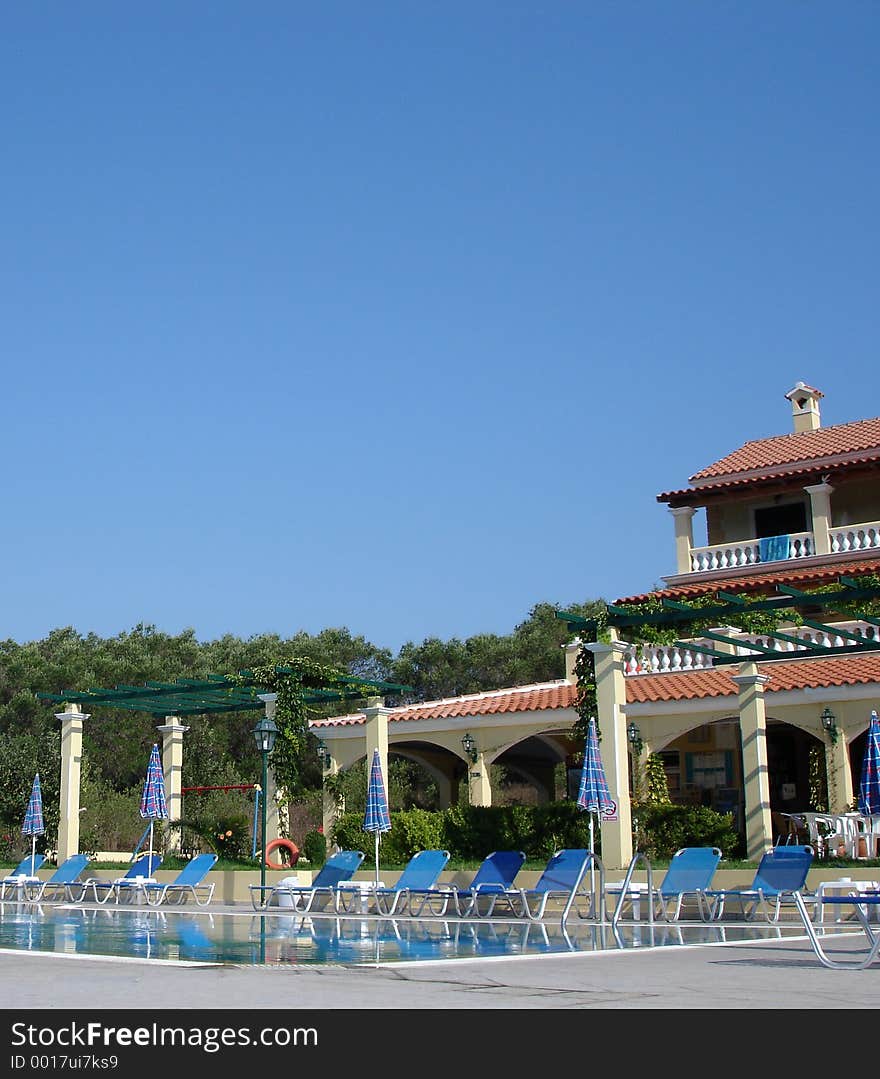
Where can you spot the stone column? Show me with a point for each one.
(479, 789)
(837, 769)
(172, 732)
(753, 732)
(820, 511)
(273, 821)
(376, 734)
(329, 811)
(571, 655)
(71, 768)
(617, 846)
(684, 537)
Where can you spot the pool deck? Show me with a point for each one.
(773, 974)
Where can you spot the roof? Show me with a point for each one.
(786, 456)
(760, 582)
(787, 675)
(537, 697)
(862, 669)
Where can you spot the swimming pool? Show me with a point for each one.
(245, 938)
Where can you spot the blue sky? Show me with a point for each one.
(398, 316)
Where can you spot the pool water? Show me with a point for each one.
(276, 939)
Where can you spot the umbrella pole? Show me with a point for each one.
(592, 872)
(150, 862)
(33, 853)
(377, 860)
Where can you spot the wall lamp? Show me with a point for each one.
(829, 724)
(634, 735)
(470, 748)
(323, 754)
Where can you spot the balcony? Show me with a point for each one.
(739, 554)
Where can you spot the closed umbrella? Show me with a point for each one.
(593, 794)
(33, 819)
(376, 817)
(869, 787)
(153, 803)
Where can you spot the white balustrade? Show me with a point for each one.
(664, 659)
(721, 556)
(845, 538)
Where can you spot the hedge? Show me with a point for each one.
(469, 833)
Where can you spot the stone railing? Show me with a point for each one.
(665, 659)
(846, 538)
(721, 556)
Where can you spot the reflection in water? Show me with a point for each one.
(252, 939)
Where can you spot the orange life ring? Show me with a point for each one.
(282, 844)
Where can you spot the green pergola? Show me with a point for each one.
(808, 605)
(215, 693)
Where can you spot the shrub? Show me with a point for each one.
(314, 847)
(230, 837)
(664, 829)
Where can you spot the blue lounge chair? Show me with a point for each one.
(863, 903)
(781, 872)
(63, 882)
(496, 875)
(560, 882)
(190, 881)
(339, 867)
(24, 873)
(419, 876)
(689, 874)
(132, 883)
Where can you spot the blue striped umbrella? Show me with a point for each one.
(153, 803)
(33, 818)
(376, 818)
(869, 788)
(593, 793)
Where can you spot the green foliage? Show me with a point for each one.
(411, 831)
(25, 754)
(818, 779)
(471, 832)
(664, 829)
(230, 837)
(314, 848)
(656, 783)
(532, 653)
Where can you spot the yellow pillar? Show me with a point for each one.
(617, 845)
(820, 512)
(837, 769)
(329, 810)
(684, 537)
(71, 767)
(172, 732)
(376, 734)
(753, 733)
(479, 788)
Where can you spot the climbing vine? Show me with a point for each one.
(758, 622)
(289, 683)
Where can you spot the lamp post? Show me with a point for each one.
(829, 724)
(470, 748)
(264, 734)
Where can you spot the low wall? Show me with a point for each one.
(232, 886)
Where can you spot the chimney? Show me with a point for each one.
(805, 407)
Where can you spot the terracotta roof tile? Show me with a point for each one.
(691, 494)
(763, 582)
(797, 448)
(862, 669)
(546, 695)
